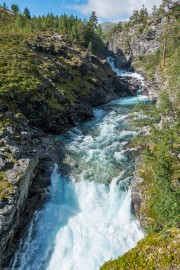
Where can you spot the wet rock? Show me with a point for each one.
(138, 196)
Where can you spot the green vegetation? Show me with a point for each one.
(160, 165)
(7, 189)
(15, 8)
(139, 16)
(25, 72)
(74, 29)
(45, 70)
(159, 148)
(160, 171)
(118, 27)
(160, 160)
(155, 252)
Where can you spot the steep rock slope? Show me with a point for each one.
(51, 82)
(136, 40)
(145, 47)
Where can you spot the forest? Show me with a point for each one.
(86, 33)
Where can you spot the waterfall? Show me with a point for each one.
(88, 218)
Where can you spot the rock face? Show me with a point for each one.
(66, 82)
(136, 42)
(27, 155)
(127, 46)
(138, 196)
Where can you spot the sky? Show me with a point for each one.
(106, 10)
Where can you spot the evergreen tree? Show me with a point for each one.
(15, 8)
(167, 4)
(93, 20)
(154, 10)
(27, 13)
(4, 5)
(135, 16)
(99, 31)
(143, 14)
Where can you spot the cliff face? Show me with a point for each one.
(136, 41)
(27, 155)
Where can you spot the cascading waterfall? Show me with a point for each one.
(124, 73)
(88, 218)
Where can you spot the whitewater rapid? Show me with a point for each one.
(88, 218)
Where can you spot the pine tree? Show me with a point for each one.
(135, 16)
(143, 14)
(27, 13)
(154, 10)
(4, 5)
(15, 8)
(93, 20)
(167, 4)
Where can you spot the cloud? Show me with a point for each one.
(113, 9)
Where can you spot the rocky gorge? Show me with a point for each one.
(49, 85)
(67, 79)
(142, 41)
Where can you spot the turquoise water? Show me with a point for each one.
(88, 218)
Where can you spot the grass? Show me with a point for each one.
(154, 252)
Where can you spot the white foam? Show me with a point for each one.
(124, 73)
(86, 221)
(128, 134)
(119, 156)
(101, 229)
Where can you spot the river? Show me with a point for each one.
(88, 218)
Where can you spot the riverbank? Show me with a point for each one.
(87, 218)
(155, 186)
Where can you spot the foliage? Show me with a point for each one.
(159, 146)
(27, 13)
(15, 8)
(74, 29)
(139, 16)
(127, 42)
(93, 20)
(150, 62)
(160, 153)
(156, 251)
